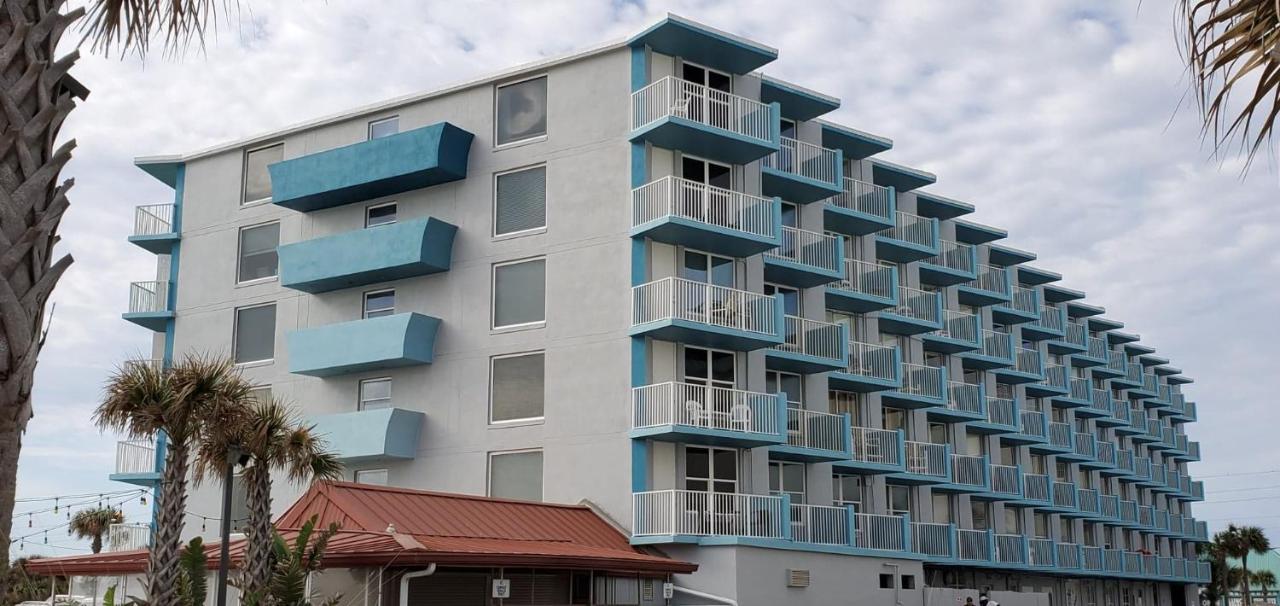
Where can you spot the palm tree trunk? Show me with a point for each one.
(96, 544)
(257, 561)
(1244, 579)
(163, 564)
(35, 97)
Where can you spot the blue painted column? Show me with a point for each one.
(639, 275)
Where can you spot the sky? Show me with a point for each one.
(1066, 123)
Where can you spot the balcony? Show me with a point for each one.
(925, 463)
(805, 259)
(696, 313)
(1032, 429)
(1064, 496)
(154, 228)
(368, 436)
(1116, 366)
(402, 162)
(995, 350)
(1083, 448)
(1028, 367)
(128, 537)
(964, 403)
(138, 462)
(814, 437)
(1023, 307)
(911, 238)
(677, 114)
(1050, 324)
(870, 368)
(1109, 507)
(1055, 383)
(1061, 440)
(1075, 340)
(395, 341)
(959, 333)
(1099, 399)
(1128, 512)
(716, 416)
(688, 516)
(1080, 393)
(1087, 501)
(1006, 482)
(1094, 354)
(1037, 490)
(809, 346)
(974, 545)
(1068, 555)
(922, 386)
(934, 541)
(865, 287)
(955, 263)
(367, 256)
(1001, 417)
(1132, 378)
(688, 213)
(917, 311)
(991, 287)
(1011, 550)
(149, 305)
(1104, 458)
(830, 526)
(802, 172)
(873, 451)
(1043, 553)
(860, 208)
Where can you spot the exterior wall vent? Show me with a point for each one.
(797, 578)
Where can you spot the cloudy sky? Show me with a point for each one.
(1059, 120)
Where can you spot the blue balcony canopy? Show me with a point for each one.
(798, 103)
(1008, 255)
(406, 339)
(977, 233)
(371, 435)
(704, 45)
(902, 178)
(940, 207)
(414, 159)
(366, 256)
(854, 143)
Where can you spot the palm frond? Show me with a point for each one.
(130, 25)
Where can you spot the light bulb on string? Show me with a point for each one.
(28, 520)
(55, 504)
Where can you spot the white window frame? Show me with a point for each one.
(369, 129)
(527, 141)
(493, 296)
(706, 71)
(546, 203)
(386, 473)
(360, 399)
(364, 303)
(380, 205)
(240, 255)
(711, 469)
(840, 499)
(235, 333)
(523, 420)
(782, 466)
(244, 174)
(488, 481)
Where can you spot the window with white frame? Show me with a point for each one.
(846, 489)
(384, 127)
(898, 499)
(789, 384)
(257, 257)
(373, 477)
(254, 338)
(845, 402)
(520, 111)
(516, 475)
(786, 478)
(379, 303)
(380, 214)
(519, 293)
(942, 510)
(711, 469)
(375, 394)
(520, 201)
(980, 513)
(517, 387)
(257, 179)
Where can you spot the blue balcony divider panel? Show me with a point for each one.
(366, 256)
(405, 339)
(414, 159)
(371, 435)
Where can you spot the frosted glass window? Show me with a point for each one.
(516, 475)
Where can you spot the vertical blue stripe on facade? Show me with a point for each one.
(639, 274)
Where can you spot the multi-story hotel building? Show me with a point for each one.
(648, 276)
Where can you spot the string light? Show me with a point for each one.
(55, 503)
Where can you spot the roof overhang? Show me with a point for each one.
(977, 233)
(798, 102)
(704, 45)
(163, 168)
(1078, 309)
(899, 177)
(854, 143)
(1036, 276)
(1000, 254)
(1054, 293)
(940, 207)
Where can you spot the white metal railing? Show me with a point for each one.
(1129, 511)
(1116, 363)
(931, 539)
(1051, 317)
(805, 160)
(681, 299)
(1002, 411)
(992, 279)
(1068, 555)
(969, 470)
(997, 344)
(128, 537)
(691, 512)
(1060, 435)
(913, 229)
(953, 255)
(871, 445)
(864, 197)
(1100, 399)
(1035, 487)
(1055, 375)
(673, 97)
(812, 338)
(1105, 452)
(820, 524)
(875, 361)
(1085, 445)
(1113, 560)
(136, 456)
(1097, 348)
(704, 406)
(153, 219)
(964, 397)
(923, 381)
(1076, 334)
(1109, 506)
(1133, 373)
(1149, 382)
(1042, 551)
(1024, 300)
(811, 248)
(716, 206)
(1032, 423)
(1092, 557)
(1006, 479)
(1028, 361)
(1087, 500)
(816, 430)
(1064, 495)
(147, 297)
(959, 325)
(926, 459)
(1011, 549)
(1079, 389)
(1145, 515)
(867, 278)
(918, 304)
(874, 531)
(973, 544)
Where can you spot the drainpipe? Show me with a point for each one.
(408, 576)
(897, 599)
(697, 594)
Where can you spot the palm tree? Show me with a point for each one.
(1230, 44)
(272, 438)
(1252, 540)
(1224, 544)
(1264, 579)
(182, 401)
(93, 523)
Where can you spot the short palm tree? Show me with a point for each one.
(143, 401)
(93, 524)
(272, 438)
(1219, 550)
(1264, 579)
(1252, 540)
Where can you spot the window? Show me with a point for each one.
(708, 269)
(521, 111)
(520, 201)
(375, 477)
(1012, 520)
(260, 394)
(375, 394)
(379, 303)
(845, 402)
(980, 512)
(886, 581)
(893, 418)
(908, 581)
(519, 293)
(711, 470)
(788, 384)
(381, 214)
(898, 499)
(941, 508)
(787, 478)
(258, 252)
(516, 475)
(846, 490)
(254, 339)
(257, 179)
(516, 387)
(384, 127)
(790, 301)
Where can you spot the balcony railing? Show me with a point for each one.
(1087, 500)
(816, 430)
(1086, 445)
(996, 345)
(708, 204)
(1116, 363)
(820, 524)
(973, 544)
(1109, 506)
(1097, 348)
(689, 512)
(674, 97)
(926, 459)
(879, 446)
(812, 338)
(1011, 549)
(923, 381)
(959, 325)
(1035, 487)
(681, 299)
(1064, 495)
(956, 256)
(805, 160)
(128, 537)
(148, 297)
(810, 248)
(1105, 452)
(1060, 435)
(964, 397)
(136, 456)
(932, 540)
(1079, 389)
(153, 220)
(1068, 555)
(992, 279)
(875, 361)
(880, 532)
(969, 470)
(1055, 375)
(917, 304)
(1100, 399)
(1002, 411)
(1033, 424)
(1145, 515)
(1077, 334)
(1129, 511)
(1028, 361)
(1092, 557)
(866, 278)
(705, 407)
(864, 197)
(1050, 318)
(1006, 479)
(912, 229)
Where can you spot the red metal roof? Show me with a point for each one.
(383, 525)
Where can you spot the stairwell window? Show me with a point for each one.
(379, 303)
(517, 387)
(519, 294)
(258, 259)
(375, 394)
(373, 477)
(254, 338)
(256, 187)
(520, 201)
(516, 475)
(380, 214)
(520, 111)
(384, 127)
